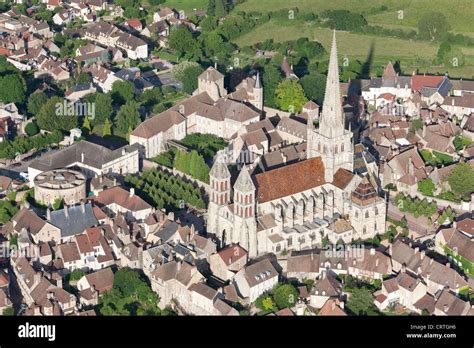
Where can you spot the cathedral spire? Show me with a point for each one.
(332, 117)
(244, 181)
(219, 169)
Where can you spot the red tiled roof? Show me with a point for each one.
(420, 81)
(285, 181)
(232, 253)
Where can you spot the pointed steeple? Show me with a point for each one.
(244, 182)
(219, 169)
(258, 83)
(332, 117)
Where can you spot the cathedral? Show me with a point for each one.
(302, 204)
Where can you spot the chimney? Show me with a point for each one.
(452, 101)
(390, 249)
(83, 207)
(377, 262)
(372, 251)
(171, 216)
(132, 192)
(341, 304)
(115, 181)
(448, 265)
(424, 130)
(66, 211)
(422, 253)
(48, 214)
(333, 305)
(431, 261)
(82, 157)
(417, 249)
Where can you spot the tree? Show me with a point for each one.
(13, 89)
(151, 97)
(76, 275)
(128, 117)
(268, 304)
(290, 96)
(211, 8)
(285, 296)
(123, 91)
(55, 116)
(221, 10)
(36, 102)
(361, 302)
(314, 86)
(461, 180)
(31, 129)
(103, 108)
(86, 125)
(271, 80)
(433, 26)
(190, 78)
(426, 187)
(107, 128)
(183, 42)
(208, 24)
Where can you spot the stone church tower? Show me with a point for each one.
(212, 82)
(219, 196)
(245, 226)
(331, 141)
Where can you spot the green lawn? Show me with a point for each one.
(187, 6)
(458, 12)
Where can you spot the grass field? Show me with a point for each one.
(458, 12)
(187, 5)
(412, 54)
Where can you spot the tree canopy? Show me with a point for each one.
(290, 96)
(433, 26)
(461, 180)
(128, 117)
(52, 116)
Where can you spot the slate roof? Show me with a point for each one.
(77, 220)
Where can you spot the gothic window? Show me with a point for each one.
(222, 186)
(366, 214)
(364, 231)
(356, 214)
(290, 241)
(319, 147)
(250, 211)
(342, 147)
(376, 211)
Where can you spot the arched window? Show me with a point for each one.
(356, 214)
(366, 214)
(336, 149)
(364, 231)
(342, 147)
(376, 211)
